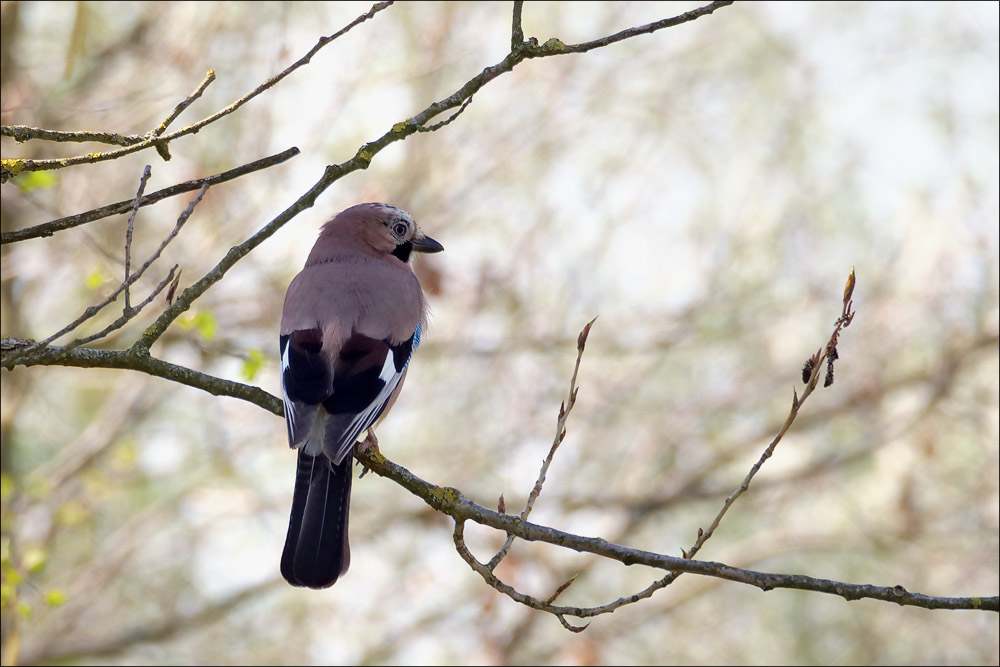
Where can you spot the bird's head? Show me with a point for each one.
(382, 228)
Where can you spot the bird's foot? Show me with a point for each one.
(370, 442)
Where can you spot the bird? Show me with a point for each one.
(351, 321)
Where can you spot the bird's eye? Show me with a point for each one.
(399, 229)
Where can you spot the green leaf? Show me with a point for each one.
(55, 597)
(96, 279)
(252, 364)
(203, 321)
(8, 593)
(207, 325)
(34, 558)
(36, 180)
(6, 486)
(72, 513)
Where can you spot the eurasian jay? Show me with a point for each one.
(351, 321)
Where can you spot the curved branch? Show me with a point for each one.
(554, 47)
(450, 501)
(564, 409)
(13, 167)
(22, 133)
(366, 153)
(50, 228)
(139, 360)
(16, 357)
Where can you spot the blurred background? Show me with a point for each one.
(704, 190)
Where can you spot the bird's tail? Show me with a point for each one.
(316, 549)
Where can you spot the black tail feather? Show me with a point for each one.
(317, 551)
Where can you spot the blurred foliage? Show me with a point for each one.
(704, 189)
(252, 364)
(203, 322)
(36, 180)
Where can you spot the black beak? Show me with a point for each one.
(426, 244)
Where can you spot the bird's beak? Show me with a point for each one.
(426, 244)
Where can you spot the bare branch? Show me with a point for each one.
(516, 32)
(22, 133)
(128, 234)
(50, 228)
(438, 126)
(847, 315)
(184, 104)
(12, 167)
(564, 409)
(20, 355)
(142, 361)
(129, 313)
(556, 47)
(450, 501)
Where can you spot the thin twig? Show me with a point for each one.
(556, 47)
(163, 149)
(184, 104)
(12, 167)
(437, 126)
(141, 361)
(22, 133)
(816, 362)
(458, 535)
(50, 228)
(450, 501)
(516, 32)
(564, 409)
(126, 316)
(128, 233)
(20, 355)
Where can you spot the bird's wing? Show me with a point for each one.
(367, 373)
(306, 381)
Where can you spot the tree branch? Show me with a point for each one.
(554, 47)
(829, 351)
(22, 133)
(128, 233)
(516, 32)
(366, 153)
(12, 167)
(450, 501)
(50, 228)
(564, 409)
(139, 360)
(178, 110)
(17, 357)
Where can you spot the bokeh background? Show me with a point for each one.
(704, 190)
